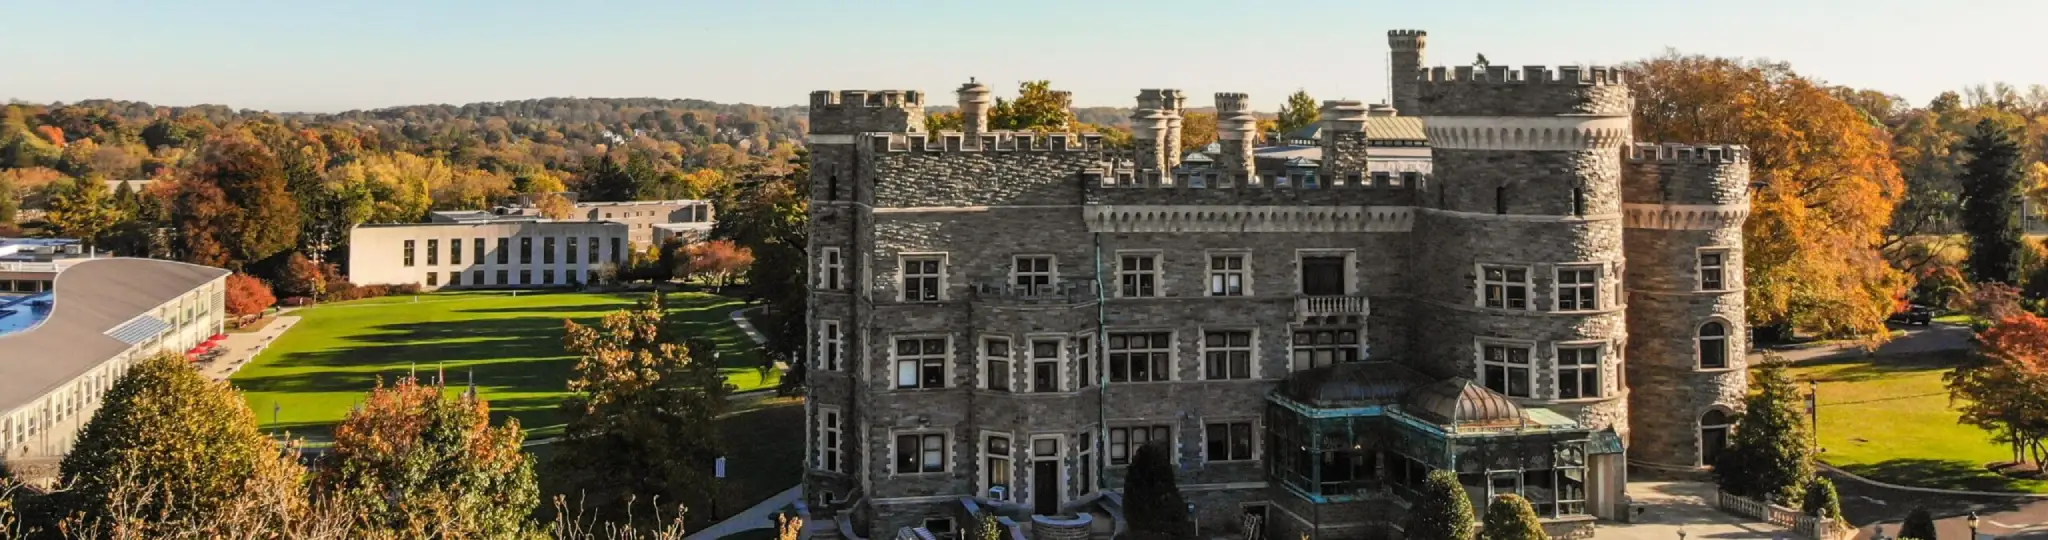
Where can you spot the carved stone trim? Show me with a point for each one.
(1684, 217)
(1247, 219)
(816, 138)
(1526, 133)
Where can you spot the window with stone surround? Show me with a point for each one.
(1137, 275)
(1381, 179)
(1124, 441)
(1578, 371)
(1229, 274)
(1087, 459)
(828, 345)
(1140, 357)
(918, 453)
(1322, 274)
(996, 466)
(920, 362)
(1316, 348)
(995, 364)
(1227, 354)
(1713, 345)
(923, 278)
(1505, 369)
(1084, 359)
(1713, 269)
(1228, 441)
(830, 433)
(1045, 366)
(1578, 288)
(1504, 286)
(830, 268)
(1033, 274)
(1406, 179)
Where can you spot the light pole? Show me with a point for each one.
(1681, 532)
(1973, 524)
(1813, 407)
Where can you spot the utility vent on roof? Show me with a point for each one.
(138, 329)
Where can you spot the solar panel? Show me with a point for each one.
(138, 329)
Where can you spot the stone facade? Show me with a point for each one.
(1019, 309)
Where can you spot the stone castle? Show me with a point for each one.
(1488, 276)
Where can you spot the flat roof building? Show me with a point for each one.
(488, 254)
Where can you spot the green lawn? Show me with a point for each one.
(1888, 418)
(512, 345)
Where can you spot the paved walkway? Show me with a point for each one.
(759, 516)
(243, 347)
(1911, 339)
(1674, 508)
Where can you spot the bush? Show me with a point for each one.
(344, 291)
(1919, 525)
(1511, 518)
(1152, 502)
(1442, 511)
(1821, 500)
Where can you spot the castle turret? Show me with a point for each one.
(974, 104)
(1149, 143)
(1237, 129)
(1685, 206)
(1405, 60)
(1344, 140)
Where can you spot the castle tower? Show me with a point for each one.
(1685, 206)
(1236, 131)
(1171, 101)
(1405, 60)
(1149, 132)
(1518, 243)
(974, 103)
(1344, 140)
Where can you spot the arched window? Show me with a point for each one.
(1713, 344)
(1713, 435)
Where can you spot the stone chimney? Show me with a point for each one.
(1236, 131)
(1148, 131)
(974, 104)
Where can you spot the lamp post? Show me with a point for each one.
(1813, 407)
(1681, 532)
(1973, 524)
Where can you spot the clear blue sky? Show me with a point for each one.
(336, 55)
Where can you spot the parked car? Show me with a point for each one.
(1914, 314)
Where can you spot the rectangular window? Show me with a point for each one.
(1713, 266)
(455, 251)
(828, 345)
(455, 278)
(618, 255)
(921, 453)
(996, 466)
(479, 250)
(547, 276)
(1229, 441)
(1084, 356)
(1033, 273)
(504, 251)
(476, 277)
(995, 363)
(829, 268)
(1505, 369)
(593, 250)
(1323, 275)
(504, 277)
(1227, 355)
(1318, 348)
(1577, 288)
(547, 250)
(1087, 463)
(526, 250)
(1140, 356)
(1138, 275)
(570, 257)
(921, 281)
(433, 279)
(940, 527)
(1406, 179)
(525, 277)
(408, 252)
(1045, 365)
(829, 430)
(1227, 275)
(1381, 179)
(1578, 372)
(921, 363)
(433, 252)
(1505, 287)
(1124, 441)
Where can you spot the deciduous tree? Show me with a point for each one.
(247, 295)
(262, 219)
(1829, 186)
(1300, 111)
(1770, 456)
(1991, 199)
(2004, 389)
(719, 260)
(1197, 130)
(412, 461)
(84, 209)
(301, 277)
(1038, 107)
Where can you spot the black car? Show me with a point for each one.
(1915, 314)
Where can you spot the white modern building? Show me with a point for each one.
(61, 350)
(653, 221)
(486, 254)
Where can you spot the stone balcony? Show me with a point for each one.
(1328, 307)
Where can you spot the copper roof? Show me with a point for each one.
(92, 298)
(1460, 402)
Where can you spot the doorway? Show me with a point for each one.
(1253, 521)
(1045, 476)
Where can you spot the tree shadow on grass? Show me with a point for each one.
(1940, 473)
(1857, 369)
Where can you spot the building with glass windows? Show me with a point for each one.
(1525, 296)
(495, 254)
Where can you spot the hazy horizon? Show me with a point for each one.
(248, 54)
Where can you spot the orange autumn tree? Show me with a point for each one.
(721, 260)
(1811, 243)
(247, 295)
(415, 462)
(2005, 391)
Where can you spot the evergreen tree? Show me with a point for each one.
(1991, 198)
(1509, 517)
(1770, 456)
(1299, 111)
(1442, 511)
(1919, 525)
(1821, 499)
(1152, 500)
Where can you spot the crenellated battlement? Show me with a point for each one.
(1574, 75)
(1231, 102)
(827, 99)
(1407, 39)
(993, 141)
(1678, 152)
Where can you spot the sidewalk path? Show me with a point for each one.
(760, 516)
(1912, 339)
(1672, 507)
(244, 347)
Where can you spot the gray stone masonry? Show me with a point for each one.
(859, 111)
(1408, 48)
(1537, 183)
(1464, 92)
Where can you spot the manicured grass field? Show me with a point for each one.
(512, 345)
(1889, 418)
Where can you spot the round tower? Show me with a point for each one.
(1237, 129)
(1688, 338)
(1171, 101)
(974, 103)
(1519, 236)
(1148, 131)
(1404, 59)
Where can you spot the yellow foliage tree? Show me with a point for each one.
(1828, 185)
